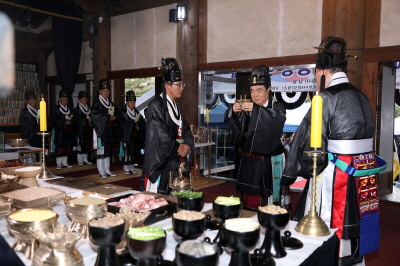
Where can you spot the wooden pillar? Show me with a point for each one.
(102, 49)
(346, 19)
(187, 53)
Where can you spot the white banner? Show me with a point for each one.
(293, 80)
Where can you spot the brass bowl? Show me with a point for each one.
(29, 171)
(28, 175)
(25, 242)
(17, 142)
(80, 215)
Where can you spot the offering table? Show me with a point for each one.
(316, 250)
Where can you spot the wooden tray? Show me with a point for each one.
(73, 182)
(108, 189)
(156, 215)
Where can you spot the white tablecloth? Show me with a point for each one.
(89, 251)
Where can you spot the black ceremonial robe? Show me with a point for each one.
(132, 133)
(64, 138)
(259, 137)
(29, 128)
(105, 129)
(346, 115)
(82, 130)
(161, 155)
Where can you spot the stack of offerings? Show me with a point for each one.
(159, 208)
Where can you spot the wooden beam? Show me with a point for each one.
(134, 6)
(134, 73)
(382, 54)
(202, 38)
(275, 61)
(219, 79)
(372, 23)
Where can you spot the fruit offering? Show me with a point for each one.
(9, 164)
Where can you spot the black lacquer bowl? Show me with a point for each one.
(222, 213)
(106, 238)
(241, 244)
(189, 229)
(191, 204)
(183, 259)
(146, 251)
(273, 223)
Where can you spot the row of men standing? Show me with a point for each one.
(101, 128)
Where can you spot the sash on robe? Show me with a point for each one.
(363, 168)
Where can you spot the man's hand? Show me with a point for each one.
(236, 107)
(68, 123)
(112, 118)
(183, 150)
(247, 106)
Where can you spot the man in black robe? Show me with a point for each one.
(257, 127)
(63, 138)
(104, 115)
(28, 121)
(132, 131)
(83, 130)
(347, 135)
(169, 141)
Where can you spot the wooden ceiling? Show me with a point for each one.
(18, 11)
(27, 12)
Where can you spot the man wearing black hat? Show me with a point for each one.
(257, 127)
(83, 130)
(133, 130)
(169, 141)
(104, 117)
(347, 135)
(62, 139)
(28, 121)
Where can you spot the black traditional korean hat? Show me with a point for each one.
(171, 70)
(82, 94)
(63, 93)
(29, 95)
(260, 76)
(130, 96)
(332, 54)
(104, 84)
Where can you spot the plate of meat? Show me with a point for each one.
(160, 208)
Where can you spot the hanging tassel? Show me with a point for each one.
(322, 83)
(274, 100)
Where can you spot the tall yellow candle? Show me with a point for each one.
(316, 122)
(207, 116)
(42, 116)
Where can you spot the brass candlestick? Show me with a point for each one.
(45, 173)
(312, 224)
